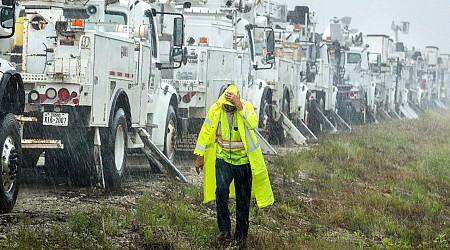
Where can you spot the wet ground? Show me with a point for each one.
(38, 192)
(42, 199)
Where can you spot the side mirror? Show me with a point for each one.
(178, 32)
(270, 42)
(7, 2)
(177, 54)
(270, 58)
(379, 62)
(7, 18)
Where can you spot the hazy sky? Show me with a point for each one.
(429, 19)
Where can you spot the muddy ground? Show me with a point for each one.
(43, 200)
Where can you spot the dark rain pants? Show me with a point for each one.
(242, 175)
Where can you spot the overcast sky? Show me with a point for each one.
(429, 19)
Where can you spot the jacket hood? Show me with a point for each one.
(222, 100)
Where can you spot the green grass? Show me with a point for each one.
(389, 181)
(382, 186)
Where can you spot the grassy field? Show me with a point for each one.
(382, 186)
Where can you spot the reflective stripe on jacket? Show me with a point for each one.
(232, 149)
(206, 146)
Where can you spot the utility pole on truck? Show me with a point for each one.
(93, 77)
(11, 106)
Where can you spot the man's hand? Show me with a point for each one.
(199, 163)
(235, 99)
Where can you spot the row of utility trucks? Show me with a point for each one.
(104, 80)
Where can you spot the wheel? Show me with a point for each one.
(265, 112)
(171, 133)
(285, 109)
(11, 159)
(114, 145)
(346, 112)
(314, 123)
(285, 105)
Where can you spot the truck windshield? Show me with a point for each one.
(353, 58)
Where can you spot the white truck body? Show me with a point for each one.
(380, 48)
(220, 51)
(378, 45)
(80, 69)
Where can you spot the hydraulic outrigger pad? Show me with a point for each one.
(157, 157)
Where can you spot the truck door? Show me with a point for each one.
(140, 92)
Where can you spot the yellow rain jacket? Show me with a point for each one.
(206, 146)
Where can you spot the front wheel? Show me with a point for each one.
(114, 146)
(265, 113)
(170, 134)
(11, 159)
(285, 109)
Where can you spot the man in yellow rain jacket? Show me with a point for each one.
(234, 166)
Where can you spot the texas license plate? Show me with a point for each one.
(56, 119)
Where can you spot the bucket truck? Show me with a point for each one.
(220, 51)
(92, 75)
(294, 34)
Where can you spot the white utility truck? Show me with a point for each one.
(220, 51)
(92, 76)
(381, 75)
(294, 35)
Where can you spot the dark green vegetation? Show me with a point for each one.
(383, 186)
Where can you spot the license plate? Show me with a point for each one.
(56, 119)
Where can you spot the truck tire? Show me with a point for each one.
(114, 149)
(11, 159)
(285, 109)
(265, 112)
(171, 133)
